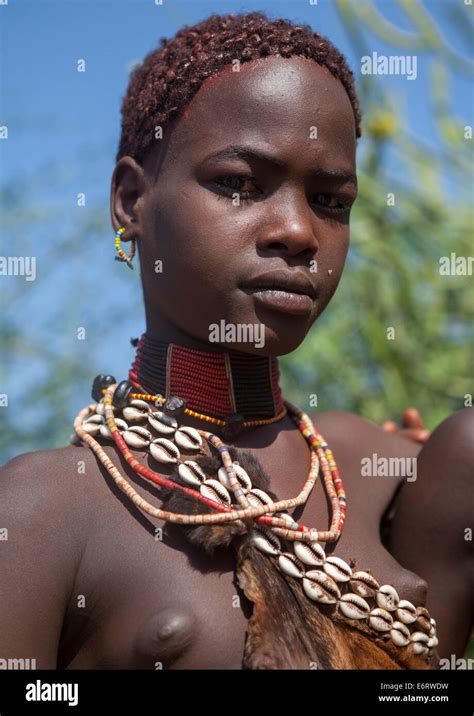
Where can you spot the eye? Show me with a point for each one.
(331, 202)
(244, 186)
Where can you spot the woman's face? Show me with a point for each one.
(216, 218)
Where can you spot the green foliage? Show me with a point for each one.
(392, 276)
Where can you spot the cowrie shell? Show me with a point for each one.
(406, 612)
(93, 424)
(215, 491)
(105, 432)
(400, 634)
(353, 606)
(257, 498)
(133, 414)
(387, 597)
(420, 636)
(310, 553)
(91, 428)
(433, 642)
(162, 423)
(265, 541)
(337, 569)
(140, 404)
(363, 584)
(137, 437)
(380, 620)
(289, 564)
(420, 649)
(191, 472)
(188, 438)
(241, 475)
(320, 587)
(94, 418)
(164, 451)
(420, 642)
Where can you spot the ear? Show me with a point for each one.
(127, 194)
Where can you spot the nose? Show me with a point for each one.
(289, 228)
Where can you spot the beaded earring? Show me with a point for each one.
(122, 256)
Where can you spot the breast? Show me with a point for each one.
(164, 636)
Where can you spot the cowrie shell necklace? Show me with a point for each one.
(356, 595)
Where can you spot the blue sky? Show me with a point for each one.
(64, 128)
(53, 110)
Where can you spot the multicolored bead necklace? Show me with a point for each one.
(90, 422)
(357, 595)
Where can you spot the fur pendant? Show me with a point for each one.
(286, 629)
(212, 537)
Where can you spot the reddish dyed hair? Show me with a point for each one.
(164, 83)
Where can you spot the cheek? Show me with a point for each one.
(330, 262)
(195, 242)
(197, 231)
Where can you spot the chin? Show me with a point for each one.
(270, 335)
(275, 344)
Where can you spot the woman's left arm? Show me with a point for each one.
(432, 529)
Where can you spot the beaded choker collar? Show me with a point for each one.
(226, 388)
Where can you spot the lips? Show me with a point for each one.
(290, 292)
(282, 280)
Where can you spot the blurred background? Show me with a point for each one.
(77, 318)
(68, 325)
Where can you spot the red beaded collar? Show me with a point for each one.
(221, 385)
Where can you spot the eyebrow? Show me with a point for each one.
(239, 151)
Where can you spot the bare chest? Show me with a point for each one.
(145, 598)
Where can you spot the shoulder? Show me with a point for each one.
(458, 427)
(48, 489)
(353, 431)
(449, 453)
(42, 470)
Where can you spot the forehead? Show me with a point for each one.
(274, 103)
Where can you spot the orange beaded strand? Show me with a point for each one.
(201, 416)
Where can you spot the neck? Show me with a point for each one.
(219, 384)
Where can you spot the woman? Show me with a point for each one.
(235, 176)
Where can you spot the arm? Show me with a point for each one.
(38, 559)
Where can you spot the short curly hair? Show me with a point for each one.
(164, 83)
